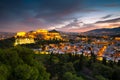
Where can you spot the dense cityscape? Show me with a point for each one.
(104, 46)
(102, 49)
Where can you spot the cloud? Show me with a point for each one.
(107, 16)
(41, 8)
(39, 13)
(112, 5)
(75, 24)
(110, 21)
(34, 14)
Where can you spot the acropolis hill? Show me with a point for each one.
(41, 34)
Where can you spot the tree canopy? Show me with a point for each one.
(19, 64)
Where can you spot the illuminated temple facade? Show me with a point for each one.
(48, 35)
(41, 34)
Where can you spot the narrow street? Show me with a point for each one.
(101, 52)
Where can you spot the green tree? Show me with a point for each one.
(68, 67)
(100, 69)
(79, 64)
(11, 58)
(100, 77)
(23, 72)
(19, 64)
(7, 43)
(25, 54)
(4, 72)
(43, 75)
(104, 60)
(70, 76)
(118, 63)
(116, 74)
(53, 65)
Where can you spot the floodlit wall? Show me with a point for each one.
(24, 41)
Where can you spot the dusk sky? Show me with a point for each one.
(62, 15)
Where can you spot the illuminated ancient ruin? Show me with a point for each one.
(41, 34)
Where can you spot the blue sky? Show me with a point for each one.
(63, 15)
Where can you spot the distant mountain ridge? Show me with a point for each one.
(104, 31)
